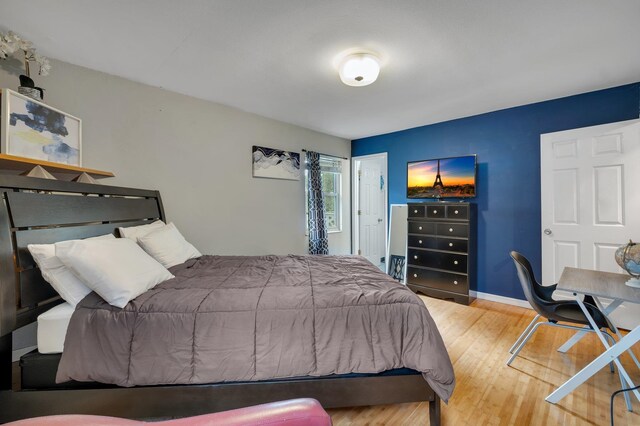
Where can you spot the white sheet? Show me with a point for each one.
(52, 328)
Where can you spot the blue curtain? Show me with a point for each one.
(318, 237)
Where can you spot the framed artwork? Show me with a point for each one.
(35, 130)
(275, 163)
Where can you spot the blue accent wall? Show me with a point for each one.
(508, 183)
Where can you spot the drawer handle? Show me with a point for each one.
(455, 282)
(415, 275)
(415, 211)
(450, 244)
(456, 212)
(455, 262)
(420, 228)
(415, 257)
(435, 211)
(450, 229)
(419, 241)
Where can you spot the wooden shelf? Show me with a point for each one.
(12, 162)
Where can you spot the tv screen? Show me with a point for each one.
(453, 177)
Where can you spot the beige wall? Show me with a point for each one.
(198, 154)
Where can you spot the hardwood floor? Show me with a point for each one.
(488, 392)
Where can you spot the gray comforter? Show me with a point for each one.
(238, 318)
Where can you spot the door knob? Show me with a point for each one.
(379, 220)
(548, 231)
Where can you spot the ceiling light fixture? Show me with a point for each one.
(359, 69)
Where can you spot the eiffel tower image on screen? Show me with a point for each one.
(438, 182)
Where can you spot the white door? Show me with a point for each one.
(370, 207)
(590, 201)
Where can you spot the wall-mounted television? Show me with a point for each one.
(453, 177)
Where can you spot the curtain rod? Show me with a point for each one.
(328, 155)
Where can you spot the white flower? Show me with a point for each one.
(7, 47)
(12, 36)
(25, 45)
(45, 66)
(30, 54)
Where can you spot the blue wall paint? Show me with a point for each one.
(508, 146)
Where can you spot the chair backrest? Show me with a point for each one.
(530, 286)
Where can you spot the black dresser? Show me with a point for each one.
(441, 252)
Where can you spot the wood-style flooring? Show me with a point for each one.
(488, 392)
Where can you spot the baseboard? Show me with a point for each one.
(500, 299)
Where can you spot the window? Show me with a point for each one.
(331, 172)
(331, 185)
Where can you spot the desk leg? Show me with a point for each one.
(615, 329)
(580, 334)
(625, 380)
(573, 340)
(596, 365)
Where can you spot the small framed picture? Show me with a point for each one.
(32, 129)
(275, 163)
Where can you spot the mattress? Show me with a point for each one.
(52, 328)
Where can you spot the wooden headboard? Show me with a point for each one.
(36, 210)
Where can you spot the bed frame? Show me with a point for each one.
(36, 210)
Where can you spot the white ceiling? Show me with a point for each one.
(441, 59)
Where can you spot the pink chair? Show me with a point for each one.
(294, 412)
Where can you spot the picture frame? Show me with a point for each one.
(33, 129)
(275, 163)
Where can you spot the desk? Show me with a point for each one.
(607, 285)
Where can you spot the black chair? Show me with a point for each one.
(553, 311)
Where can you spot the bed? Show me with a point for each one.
(43, 211)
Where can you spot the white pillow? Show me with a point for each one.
(135, 232)
(68, 286)
(118, 270)
(168, 246)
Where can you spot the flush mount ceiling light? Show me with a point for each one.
(359, 69)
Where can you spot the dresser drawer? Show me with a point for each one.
(452, 244)
(458, 212)
(453, 230)
(438, 280)
(423, 242)
(416, 211)
(422, 228)
(435, 211)
(434, 259)
(437, 243)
